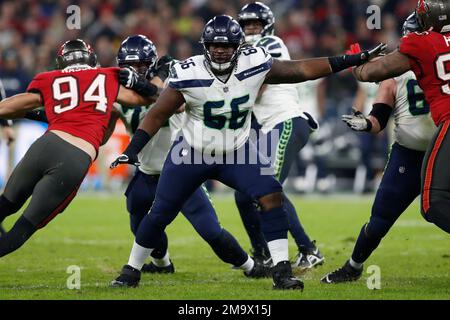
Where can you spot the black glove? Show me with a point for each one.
(130, 155)
(162, 67)
(125, 159)
(129, 78)
(340, 63)
(367, 55)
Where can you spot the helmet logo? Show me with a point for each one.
(422, 7)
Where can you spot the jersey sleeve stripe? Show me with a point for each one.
(195, 83)
(276, 55)
(274, 46)
(254, 71)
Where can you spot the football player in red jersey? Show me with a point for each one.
(78, 100)
(427, 54)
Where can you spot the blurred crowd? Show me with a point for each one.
(31, 32)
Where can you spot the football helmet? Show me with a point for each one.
(225, 30)
(257, 11)
(410, 24)
(75, 52)
(138, 52)
(433, 13)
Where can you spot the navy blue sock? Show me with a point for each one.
(161, 248)
(149, 233)
(274, 224)
(228, 249)
(17, 236)
(135, 220)
(252, 222)
(295, 227)
(370, 237)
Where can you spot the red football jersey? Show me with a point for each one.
(429, 54)
(78, 100)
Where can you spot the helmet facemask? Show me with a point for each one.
(221, 67)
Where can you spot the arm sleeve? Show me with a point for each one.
(37, 86)
(412, 45)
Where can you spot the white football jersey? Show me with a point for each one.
(278, 102)
(218, 114)
(154, 153)
(414, 127)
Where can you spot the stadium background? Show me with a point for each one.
(336, 159)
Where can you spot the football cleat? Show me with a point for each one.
(346, 273)
(308, 258)
(262, 258)
(283, 278)
(129, 277)
(2, 231)
(153, 268)
(259, 270)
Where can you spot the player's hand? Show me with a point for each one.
(367, 55)
(125, 159)
(162, 67)
(128, 77)
(357, 121)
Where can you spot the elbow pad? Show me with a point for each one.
(382, 112)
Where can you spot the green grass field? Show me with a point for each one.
(93, 233)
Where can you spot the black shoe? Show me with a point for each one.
(152, 268)
(308, 258)
(262, 258)
(129, 277)
(259, 270)
(2, 231)
(283, 278)
(345, 274)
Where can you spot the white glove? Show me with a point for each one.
(357, 121)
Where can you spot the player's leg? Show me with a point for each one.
(399, 187)
(178, 180)
(62, 164)
(250, 179)
(198, 209)
(293, 135)
(21, 183)
(140, 194)
(248, 210)
(435, 199)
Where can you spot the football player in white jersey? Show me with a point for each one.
(278, 115)
(400, 184)
(139, 53)
(219, 89)
(368, 143)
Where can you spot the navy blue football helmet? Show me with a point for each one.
(257, 11)
(411, 24)
(222, 29)
(138, 52)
